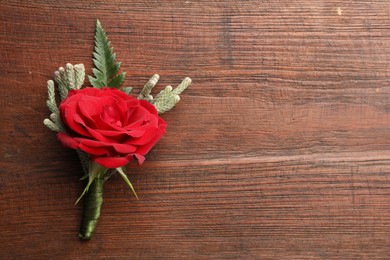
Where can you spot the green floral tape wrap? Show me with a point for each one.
(93, 201)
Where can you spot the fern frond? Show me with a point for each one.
(106, 69)
(127, 90)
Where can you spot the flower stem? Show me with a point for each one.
(92, 204)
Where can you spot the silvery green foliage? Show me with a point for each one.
(68, 78)
(54, 123)
(145, 93)
(167, 98)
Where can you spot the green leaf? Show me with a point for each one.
(95, 82)
(127, 90)
(117, 81)
(123, 174)
(94, 171)
(106, 69)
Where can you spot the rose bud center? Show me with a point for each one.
(111, 116)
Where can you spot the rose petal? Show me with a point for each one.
(89, 106)
(92, 143)
(121, 106)
(102, 124)
(124, 148)
(110, 125)
(136, 117)
(112, 162)
(88, 91)
(118, 147)
(92, 133)
(140, 158)
(110, 115)
(150, 129)
(67, 116)
(93, 150)
(122, 134)
(116, 93)
(67, 141)
(160, 132)
(86, 118)
(152, 109)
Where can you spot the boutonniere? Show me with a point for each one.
(104, 123)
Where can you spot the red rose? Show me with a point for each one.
(110, 125)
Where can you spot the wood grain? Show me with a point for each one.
(279, 149)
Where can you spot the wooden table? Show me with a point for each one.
(280, 148)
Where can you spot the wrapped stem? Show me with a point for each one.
(92, 204)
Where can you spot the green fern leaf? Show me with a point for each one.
(106, 69)
(127, 90)
(117, 81)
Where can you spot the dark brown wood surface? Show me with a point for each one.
(280, 148)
